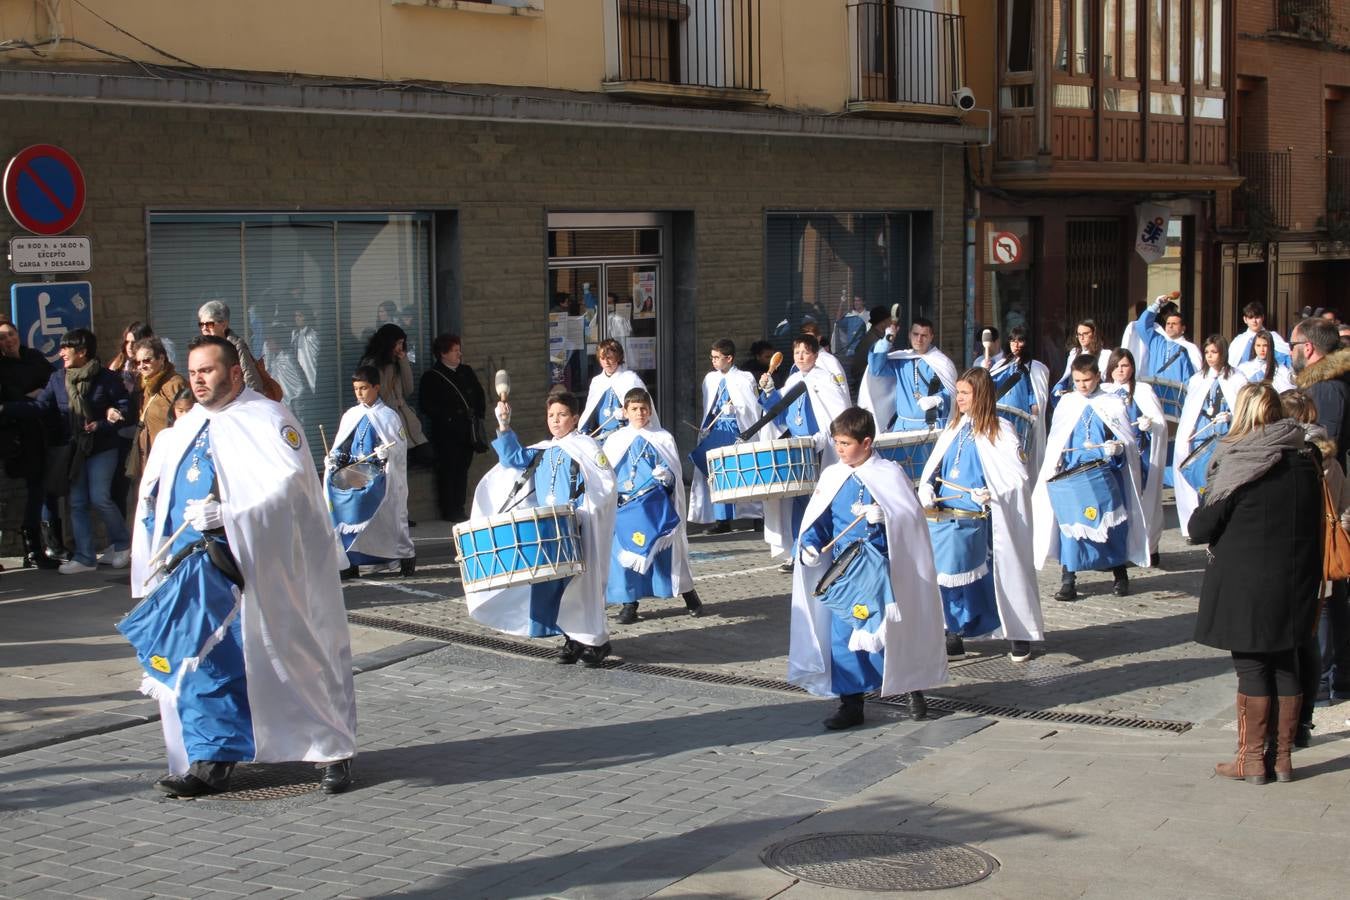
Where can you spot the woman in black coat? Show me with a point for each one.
(1262, 519)
(451, 399)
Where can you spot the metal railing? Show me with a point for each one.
(1338, 189)
(906, 55)
(704, 43)
(1306, 18)
(1263, 202)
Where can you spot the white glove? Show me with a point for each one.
(1113, 448)
(1158, 302)
(503, 416)
(766, 382)
(981, 496)
(808, 555)
(728, 408)
(1144, 423)
(330, 465)
(204, 515)
(932, 401)
(927, 499)
(875, 514)
(1224, 418)
(663, 475)
(381, 453)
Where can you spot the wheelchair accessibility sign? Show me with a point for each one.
(44, 311)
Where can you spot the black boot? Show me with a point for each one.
(849, 714)
(407, 566)
(956, 648)
(1068, 587)
(203, 777)
(628, 614)
(350, 572)
(35, 555)
(337, 777)
(1121, 586)
(720, 527)
(569, 652)
(693, 604)
(918, 705)
(54, 540)
(594, 657)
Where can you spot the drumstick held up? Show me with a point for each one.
(775, 361)
(323, 437)
(502, 384)
(826, 548)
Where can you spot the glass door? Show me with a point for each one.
(573, 325)
(630, 310)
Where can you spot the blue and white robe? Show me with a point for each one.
(730, 406)
(603, 413)
(382, 536)
(661, 567)
(1153, 449)
(1242, 347)
(896, 380)
(1207, 395)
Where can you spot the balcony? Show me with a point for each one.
(1261, 206)
(1337, 221)
(905, 61)
(1309, 20)
(685, 50)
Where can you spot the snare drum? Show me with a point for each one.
(524, 546)
(786, 467)
(1088, 500)
(1021, 420)
(1171, 395)
(961, 539)
(355, 493)
(909, 449)
(1195, 467)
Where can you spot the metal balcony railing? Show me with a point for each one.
(1262, 204)
(703, 43)
(1309, 19)
(906, 55)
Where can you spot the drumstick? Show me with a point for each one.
(361, 459)
(613, 414)
(1084, 447)
(323, 437)
(154, 561)
(502, 383)
(952, 497)
(826, 548)
(956, 487)
(775, 361)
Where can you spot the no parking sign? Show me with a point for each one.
(44, 189)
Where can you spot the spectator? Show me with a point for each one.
(761, 353)
(81, 395)
(1262, 518)
(23, 442)
(387, 350)
(214, 319)
(1322, 371)
(451, 398)
(160, 384)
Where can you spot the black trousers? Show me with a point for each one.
(451, 466)
(1267, 674)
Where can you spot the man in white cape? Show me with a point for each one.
(603, 413)
(909, 390)
(730, 406)
(374, 429)
(292, 624)
(907, 632)
(572, 471)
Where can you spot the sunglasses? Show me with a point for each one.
(144, 362)
(205, 324)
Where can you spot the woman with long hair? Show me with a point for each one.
(1145, 414)
(1021, 394)
(387, 351)
(1087, 339)
(976, 494)
(1264, 364)
(1262, 519)
(159, 385)
(1211, 397)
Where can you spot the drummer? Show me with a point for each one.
(729, 407)
(1211, 397)
(909, 390)
(1266, 364)
(1022, 382)
(878, 628)
(1090, 531)
(650, 552)
(806, 417)
(1145, 415)
(603, 413)
(567, 470)
(977, 486)
(371, 435)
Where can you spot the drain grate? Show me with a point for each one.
(935, 704)
(270, 782)
(880, 861)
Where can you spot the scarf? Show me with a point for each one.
(1250, 457)
(77, 389)
(150, 386)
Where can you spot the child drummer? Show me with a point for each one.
(1090, 529)
(877, 626)
(650, 553)
(730, 406)
(567, 470)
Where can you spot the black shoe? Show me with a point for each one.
(956, 648)
(1155, 560)
(407, 566)
(1020, 651)
(569, 652)
(693, 604)
(350, 572)
(786, 568)
(918, 705)
(202, 778)
(54, 540)
(757, 525)
(1068, 590)
(337, 777)
(1121, 586)
(849, 714)
(1303, 737)
(628, 614)
(412, 524)
(35, 555)
(723, 527)
(594, 657)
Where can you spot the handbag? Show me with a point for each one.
(1335, 542)
(478, 436)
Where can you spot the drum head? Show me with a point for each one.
(352, 478)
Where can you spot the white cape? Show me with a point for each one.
(877, 393)
(1044, 523)
(1254, 370)
(1157, 455)
(297, 650)
(386, 533)
(915, 655)
(1015, 590)
(1197, 392)
(621, 382)
(1103, 360)
(581, 614)
(745, 410)
(830, 363)
(616, 445)
(1040, 389)
(1240, 348)
(827, 400)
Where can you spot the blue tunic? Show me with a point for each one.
(914, 379)
(1082, 554)
(1163, 357)
(721, 431)
(1021, 396)
(851, 671)
(1142, 438)
(800, 421)
(557, 481)
(361, 442)
(633, 474)
(961, 546)
(608, 416)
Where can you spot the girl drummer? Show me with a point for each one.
(1145, 414)
(1211, 396)
(980, 524)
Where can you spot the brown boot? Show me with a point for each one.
(1289, 710)
(1251, 721)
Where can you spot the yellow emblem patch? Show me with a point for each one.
(839, 378)
(639, 538)
(1090, 513)
(601, 460)
(290, 436)
(159, 664)
(860, 611)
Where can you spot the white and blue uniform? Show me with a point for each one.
(962, 546)
(1243, 347)
(1065, 383)
(1254, 370)
(1152, 450)
(603, 413)
(371, 522)
(649, 556)
(1207, 395)
(910, 378)
(730, 406)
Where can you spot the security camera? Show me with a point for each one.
(964, 99)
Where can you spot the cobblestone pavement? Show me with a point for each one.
(481, 775)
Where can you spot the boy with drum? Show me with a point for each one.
(650, 553)
(729, 407)
(1086, 506)
(603, 412)
(569, 476)
(365, 478)
(864, 618)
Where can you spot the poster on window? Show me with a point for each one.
(644, 295)
(641, 353)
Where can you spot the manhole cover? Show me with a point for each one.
(270, 782)
(880, 861)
